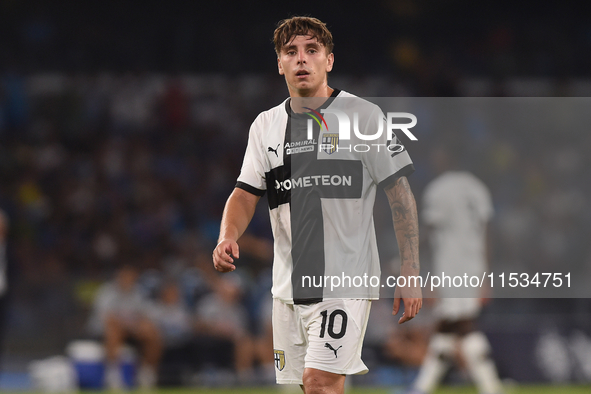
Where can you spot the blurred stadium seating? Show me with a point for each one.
(117, 146)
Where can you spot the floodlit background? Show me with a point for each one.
(122, 131)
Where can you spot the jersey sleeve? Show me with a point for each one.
(254, 166)
(386, 160)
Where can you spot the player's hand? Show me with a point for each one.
(413, 302)
(224, 254)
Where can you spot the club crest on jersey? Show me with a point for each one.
(330, 141)
(279, 359)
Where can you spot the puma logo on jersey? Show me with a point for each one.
(269, 149)
(328, 345)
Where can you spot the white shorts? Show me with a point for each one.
(454, 309)
(327, 336)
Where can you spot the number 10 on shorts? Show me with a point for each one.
(331, 321)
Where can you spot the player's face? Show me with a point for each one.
(305, 64)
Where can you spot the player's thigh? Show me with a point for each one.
(289, 343)
(336, 329)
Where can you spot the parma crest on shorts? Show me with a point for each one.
(279, 359)
(329, 142)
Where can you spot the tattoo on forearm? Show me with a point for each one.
(404, 214)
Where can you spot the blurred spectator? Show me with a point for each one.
(175, 106)
(121, 314)
(263, 345)
(389, 343)
(16, 107)
(171, 315)
(221, 315)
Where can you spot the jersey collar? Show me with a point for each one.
(290, 113)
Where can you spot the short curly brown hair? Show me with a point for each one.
(287, 29)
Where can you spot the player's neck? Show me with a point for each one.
(310, 99)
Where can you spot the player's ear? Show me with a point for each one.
(280, 67)
(330, 63)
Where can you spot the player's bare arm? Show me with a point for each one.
(406, 225)
(238, 212)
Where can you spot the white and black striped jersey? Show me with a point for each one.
(321, 193)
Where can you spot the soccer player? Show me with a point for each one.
(457, 208)
(321, 195)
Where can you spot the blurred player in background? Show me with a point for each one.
(457, 209)
(318, 335)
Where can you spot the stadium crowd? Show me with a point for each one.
(104, 171)
(122, 131)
